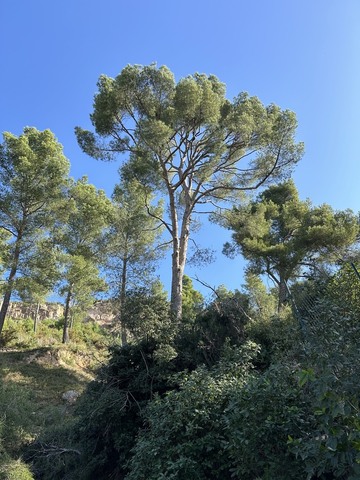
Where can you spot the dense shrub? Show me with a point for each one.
(108, 416)
(221, 322)
(185, 434)
(208, 403)
(260, 419)
(14, 469)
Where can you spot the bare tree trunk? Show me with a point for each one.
(124, 339)
(180, 246)
(36, 316)
(282, 287)
(282, 293)
(176, 278)
(66, 337)
(176, 281)
(10, 283)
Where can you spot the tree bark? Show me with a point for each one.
(66, 337)
(36, 316)
(282, 293)
(10, 283)
(180, 246)
(124, 339)
(176, 281)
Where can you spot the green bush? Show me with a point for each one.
(278, 336)
(107, 416)
(20, 333)
(185, 431)
(330, 377)
(260, 418)
(221, 322)
(14, 469)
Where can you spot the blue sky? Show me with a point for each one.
(303, 55)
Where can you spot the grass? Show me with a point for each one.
(35, 370)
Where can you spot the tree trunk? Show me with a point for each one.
(176, 281)
(180, 246)
(65, 338)
(124, 340)
(36, 316)
(10, 283)
(283, 293)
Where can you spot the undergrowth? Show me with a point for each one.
(35, 370)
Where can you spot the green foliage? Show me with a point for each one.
(331, 336)
(85, 214)
(14, 470)
(83, 280)
(187, 141)
(332, 448)
(184, 436)
(222, 322)
(89, 332)
(33, 175)
(132, 243)
(79, 236)
(15, 421)
(32, 382)
(155, 412)
(279, 234)
(39, 271)
(19, 334)
(33, 169)
(15, 429)
(145, 314)
(192, 301)
(278, 337)
(262, 303)
(344, 289)
(134, 234)
(260, 419)
(108, 415)
(276, 332)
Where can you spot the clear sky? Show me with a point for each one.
(303, 55)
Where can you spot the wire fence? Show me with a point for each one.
(328, 307)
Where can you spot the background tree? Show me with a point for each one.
(146, 313)
(39, 273)
(192, 300)
(262, 303)
(33, 174)
(189, 142)
(81, 282)
(280, 234)
(133, 243)
(79, 237)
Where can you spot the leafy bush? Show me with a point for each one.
(184, 437)
(145, 314)
(20, 333)
(108, 416)
(14, 469)
(278, 336)
(330, 377)
(222, 321)
(260, 418)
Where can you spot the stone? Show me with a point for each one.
(70, 396)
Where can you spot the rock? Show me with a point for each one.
(101, 312)
(49, 310)
(70, 396)
(31, 358)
